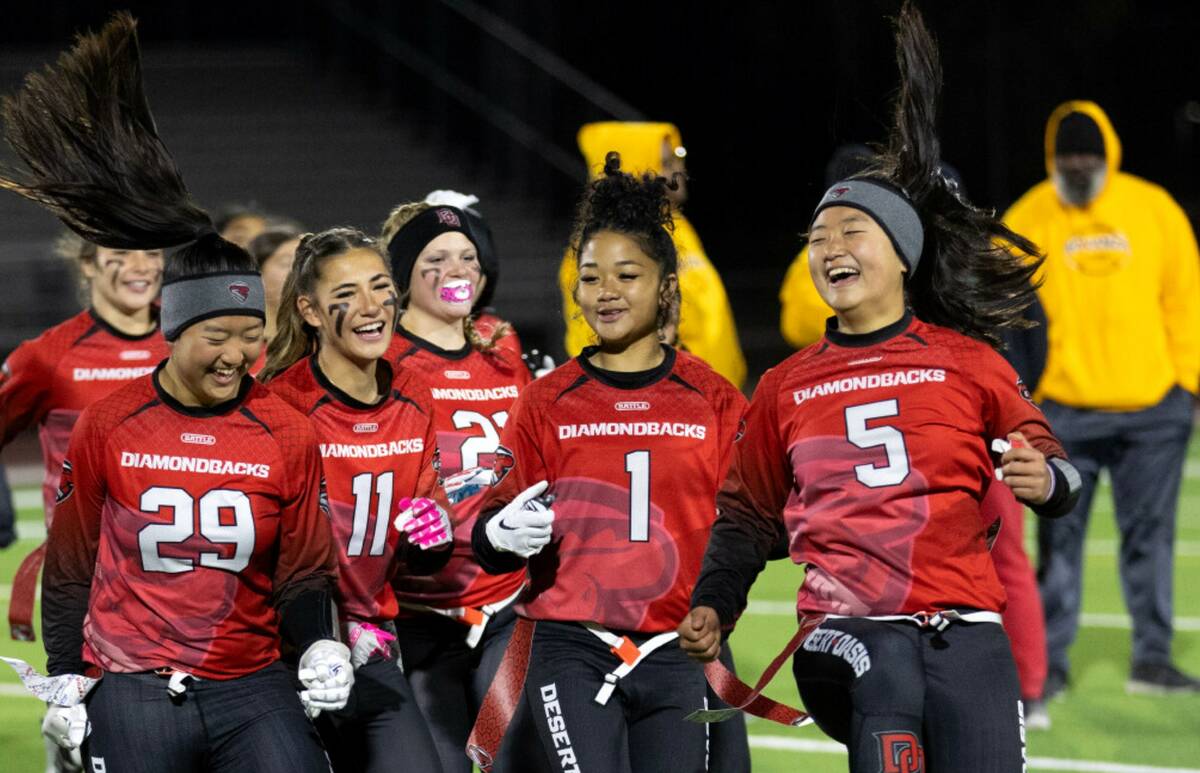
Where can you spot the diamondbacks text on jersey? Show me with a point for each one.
(181, 531)
(633, 466)
(472, 393)
(373, 456)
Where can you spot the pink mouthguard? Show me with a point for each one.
(457, 293)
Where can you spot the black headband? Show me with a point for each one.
(408, 242)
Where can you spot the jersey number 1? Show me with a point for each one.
(637, 464)
(892, 440)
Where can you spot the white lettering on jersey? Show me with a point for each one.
(133, 355)
(633, 405)
(110, 374)
(197, 439)
(507, 392)
(372, 450)
(457, 375)
(873, 381)
(633, 428)
(193, 464)
(366, 427)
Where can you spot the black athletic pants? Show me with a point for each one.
(915, 700)
(640, 730)
(381, 730)
(251, 724)
(450, 679)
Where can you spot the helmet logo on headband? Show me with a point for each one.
(837, 193)
(240, 291)
(449, 218)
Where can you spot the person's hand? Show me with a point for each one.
(366, 641)
(1023, 469)
(327, 676)
(524, 525)
(424, 523)
(700, 634)
(66, 726)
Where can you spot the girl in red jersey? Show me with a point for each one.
(870, 450)
(454, 626)
(188, 533)
(49, 380)
(378, 447)
(631, 439)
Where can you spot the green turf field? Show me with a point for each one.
(1096, 727)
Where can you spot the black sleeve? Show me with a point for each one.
(63, 613)
(493, 561)
(422, 563)
(1026, 349)
(308, 613)
(1067, 485)
(738, 549)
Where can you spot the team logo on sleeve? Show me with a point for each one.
(65, 486)
(323, 499)
(503, 462)
(1024, 390)
(240, 291)
(900, 752)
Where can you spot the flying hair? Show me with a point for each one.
(90, 152)
(976, 275)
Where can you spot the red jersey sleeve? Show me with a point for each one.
(25, 381)
(307, 554)
(1008, 407)
(71, 549)
(750, 505)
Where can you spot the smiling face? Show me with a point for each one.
(855, 266)
(352, 306)
(621, 289)
(125, 280)
(209, 358)
(446, 277)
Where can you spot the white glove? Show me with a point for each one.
(327, 675)
(367, 640)
(523, 526)
(468, 483)
(66, 726)
(448, 198)
(424, 523)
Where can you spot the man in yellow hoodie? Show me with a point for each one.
(1121, 294)
(705, 327)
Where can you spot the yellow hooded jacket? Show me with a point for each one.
(706, 325)
(1121, 285)
(802, 310)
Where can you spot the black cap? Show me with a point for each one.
(1079, 134)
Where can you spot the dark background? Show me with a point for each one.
(763, 91)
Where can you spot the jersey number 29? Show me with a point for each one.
(240, 533)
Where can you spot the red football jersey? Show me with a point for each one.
(874, 450)
(472, 393)
(188, 525)
(634, 463)
(373, 456)
(52, 378)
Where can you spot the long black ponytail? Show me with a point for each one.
(976, 275)
(92, 155)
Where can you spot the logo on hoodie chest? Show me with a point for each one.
(1098, 254)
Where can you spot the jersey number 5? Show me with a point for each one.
(240, 533)
(892, 440)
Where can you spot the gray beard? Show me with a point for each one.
(1079, 188)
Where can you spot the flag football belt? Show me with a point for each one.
(24, 590)
(177, 681)
(631, 655)
(741, 697)
(475, 617)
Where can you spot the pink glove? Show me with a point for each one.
(367, 640)
(424, 522)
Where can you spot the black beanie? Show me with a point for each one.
(1079, 134)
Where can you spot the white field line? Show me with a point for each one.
(1087, 619)
(783, 743)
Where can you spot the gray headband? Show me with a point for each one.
(192, 299)
(888, 206)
